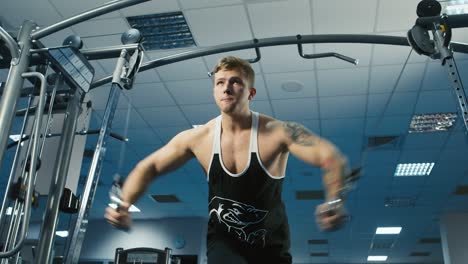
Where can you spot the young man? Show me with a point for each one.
(244, 155)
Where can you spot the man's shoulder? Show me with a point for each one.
(269, 123)
(198, 131)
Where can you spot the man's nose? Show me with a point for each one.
(228, 88)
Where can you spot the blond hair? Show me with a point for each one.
(233, 63)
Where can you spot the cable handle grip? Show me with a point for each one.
(115, 195)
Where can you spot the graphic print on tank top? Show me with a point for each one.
(240, 218)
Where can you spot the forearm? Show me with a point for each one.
(137, 182)
(334, 169)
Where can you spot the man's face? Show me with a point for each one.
(232, 91)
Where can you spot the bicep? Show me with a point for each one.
(308, 146)
(170, 157)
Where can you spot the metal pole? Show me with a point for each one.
(11, 44)
(32, 167)
(50, 221)
(13, 86)
(74, 247)
(104, 9)
(76, 241)
(168, 252)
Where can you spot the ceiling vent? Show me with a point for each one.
(380, 141)
(429, 240)
(319, 254)
(310, 195)
(461, 190)
(165, 198)
(400, 201)
(420, 254)
(382, 244)
(163, 31)
(317, 242)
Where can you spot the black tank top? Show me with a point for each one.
(246, 207)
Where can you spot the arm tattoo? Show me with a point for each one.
(299, 134)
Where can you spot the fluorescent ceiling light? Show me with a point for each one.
(414, 169)
(9, 210)
(195, 126)
(388, 230)
(436, 122)
(377, 258)
(456, 7)
(133, 209)
(63, 233)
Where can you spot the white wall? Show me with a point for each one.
(101, 239)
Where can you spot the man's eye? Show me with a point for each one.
(218, 83)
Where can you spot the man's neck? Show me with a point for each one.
(236, 122)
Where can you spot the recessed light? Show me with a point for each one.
(388, 230)
(63, 233)
(292, 86)
(377, 258)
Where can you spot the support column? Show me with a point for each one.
(454, 235)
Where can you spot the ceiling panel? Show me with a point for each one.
(192, 4)
(343, 17)
(388, 125)
(263, 107)
(391, 78)
(206, 32)
(285, 18)
(391, 104)
(166, 133)
(294, 109)
(184, 70)
(163, 116)
(396, 15)
(101, 27)
(151, 7)
(200, 114)
(149, 95)
(103, 41)
(438, 101)
(306, 79)
(16, 12)
(336, 127)
(342, 106)
(436, 78)
(330, 82)
(192, 91)
(69, 8)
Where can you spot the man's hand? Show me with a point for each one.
(119, 217)
(331, 215)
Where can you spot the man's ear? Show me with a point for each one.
(252, 93)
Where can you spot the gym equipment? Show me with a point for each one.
(78, 74)
(144, 255)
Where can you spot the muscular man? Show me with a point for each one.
(244, 155)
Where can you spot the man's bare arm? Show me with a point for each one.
(317, 151)
(170, 157)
